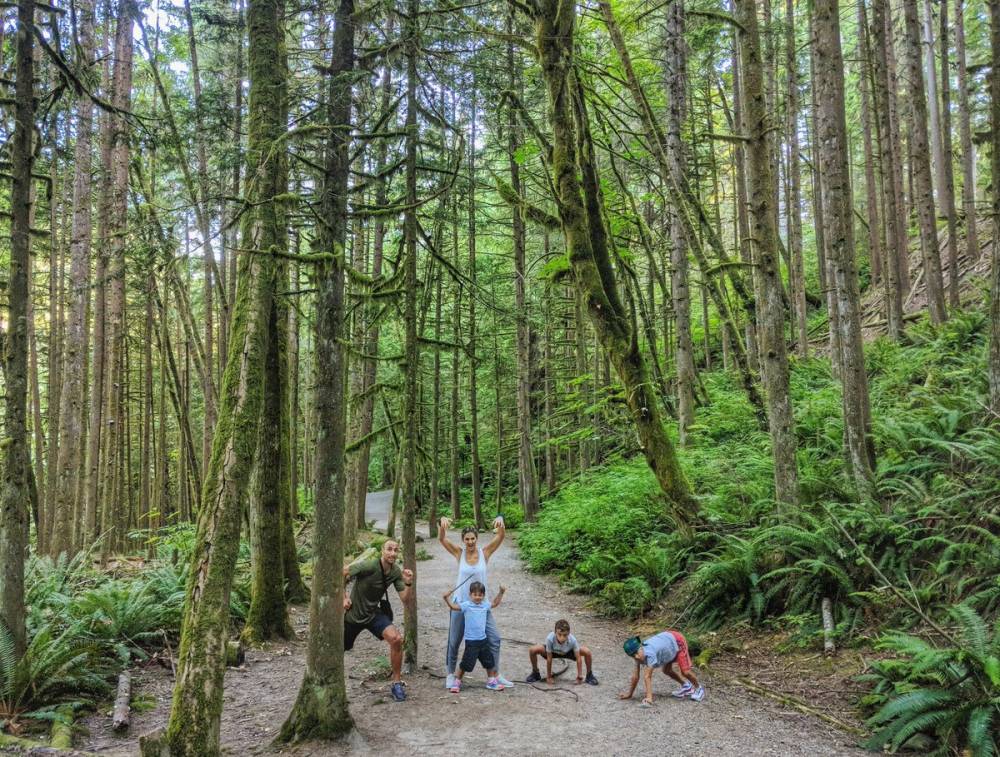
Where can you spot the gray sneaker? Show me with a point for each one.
(504, 682)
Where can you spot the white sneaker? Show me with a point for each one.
(506, 684)
(683, 691)
(449, 680)
(698, 694)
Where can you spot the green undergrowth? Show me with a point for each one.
(928, 545)
(85, 624)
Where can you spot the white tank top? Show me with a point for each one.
(467, 574)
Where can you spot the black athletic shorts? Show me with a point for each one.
(570, 655)
(376, 625)
(477, 650)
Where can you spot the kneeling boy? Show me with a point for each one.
(561, 645)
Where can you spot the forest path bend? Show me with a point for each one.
(519, 721)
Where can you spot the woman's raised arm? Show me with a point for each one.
(497, 540)
(443, 525)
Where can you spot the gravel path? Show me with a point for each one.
(524, 720)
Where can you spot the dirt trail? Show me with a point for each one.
(524, 720)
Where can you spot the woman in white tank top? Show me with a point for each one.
(472, 566)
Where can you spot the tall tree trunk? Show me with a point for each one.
(896, 242)
(965, 132)
(204, 221)
(675, 64)
(267, 617)
(74, 357)
(356, 504)
(193, 729)
(946, 188)
(994, 355)
(527, 478)
(587, 248)
(16, 473)
(838, 211)
(872, 193)
(477, 483)
(797, 274)
(771, 310)
(933, 104)
(411, 347)
(121, 89)
(923, 197)
(320, 709)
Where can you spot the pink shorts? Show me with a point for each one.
(683, 658)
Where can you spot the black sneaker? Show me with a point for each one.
(590, 679)
(534, 677)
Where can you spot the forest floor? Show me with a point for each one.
(525, 720)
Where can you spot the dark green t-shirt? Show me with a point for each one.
(368, 588)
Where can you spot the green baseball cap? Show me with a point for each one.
(631, 646)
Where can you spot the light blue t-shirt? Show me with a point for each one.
(475, 619)
(552, 644)
(659, 649)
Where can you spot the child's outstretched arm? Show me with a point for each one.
(499, 596)
(447, 600)
(647, 684)
(632, 684)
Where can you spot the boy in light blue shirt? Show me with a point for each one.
(474, 611)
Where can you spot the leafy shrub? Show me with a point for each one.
(57, 664)
(949, 693)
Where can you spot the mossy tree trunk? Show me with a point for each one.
(838, 211)
(14, 494)
(580, 210)
(193, 729)
(675, 64)
(71, 396)
(320, 709)
(527, 476)
(994, 355)
(771, 307)
(895, 231)
(411, 348)
(268, 614)
(920, 160)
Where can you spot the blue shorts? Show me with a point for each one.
(376, 625)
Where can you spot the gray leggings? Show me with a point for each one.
(456, 630)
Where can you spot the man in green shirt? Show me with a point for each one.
(372, 579)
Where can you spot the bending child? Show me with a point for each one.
(561, 645)
(474, 611)
(662, 650)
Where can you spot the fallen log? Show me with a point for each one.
(829, 648)
(61, 736)
(235, 653)
(121, 714)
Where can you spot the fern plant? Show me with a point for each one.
(949, 693)
(55, 666)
